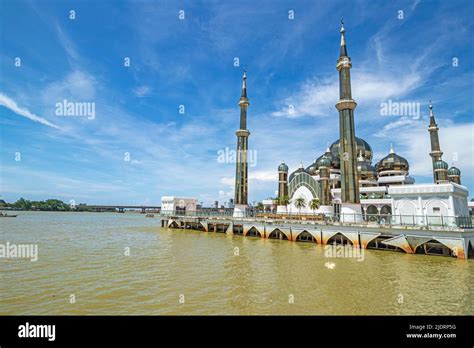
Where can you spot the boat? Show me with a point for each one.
(149, 215)
(6, 215)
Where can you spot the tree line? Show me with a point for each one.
(47, 205)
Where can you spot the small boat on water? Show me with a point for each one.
(149, 215)
(6, 215)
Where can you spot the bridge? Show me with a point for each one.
(121, 208)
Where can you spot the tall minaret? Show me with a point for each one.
(347, 144)
(436, 152)
(282, 187)
(241, 168)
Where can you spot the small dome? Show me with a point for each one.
(440, 164)
(333, 159)
(454, 171)
(362, 147)
(283, 167)
(366, 170)
(392, 162)
(324, 162)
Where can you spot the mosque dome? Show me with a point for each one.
(362, 147)
(366, 170)
(440, 164)
(324, 162)
(296, 172)
(393, 162)
(283, 167)
(454, 171)
(334, 160)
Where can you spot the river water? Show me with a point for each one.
(83, 258)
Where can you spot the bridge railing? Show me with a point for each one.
(387, 220)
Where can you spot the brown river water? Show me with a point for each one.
(83, 268)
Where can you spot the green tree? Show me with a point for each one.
(300, 203)
(314, 204)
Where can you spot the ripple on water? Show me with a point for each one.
(84, 254)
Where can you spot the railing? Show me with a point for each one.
(388, 220)
(224, 213)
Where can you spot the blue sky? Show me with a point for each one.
(190, 62)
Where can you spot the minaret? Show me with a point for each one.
(436, 152)
(241, 168)
(347, 145)
(324, 175)
(282, 187)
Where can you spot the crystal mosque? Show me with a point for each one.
(347, 181)
(346, 196)
(346, 175)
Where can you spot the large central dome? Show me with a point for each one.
(362, 148)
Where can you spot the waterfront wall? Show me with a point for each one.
(449, 242)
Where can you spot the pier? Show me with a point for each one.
(391, 234)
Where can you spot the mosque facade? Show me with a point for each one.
(346, 181)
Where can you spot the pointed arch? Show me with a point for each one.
(278, 234)
(253, 232)
(339, 238)
(305, 236)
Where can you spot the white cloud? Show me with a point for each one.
(456, 141)
(13, 106)
(141, 91)
(263, 176)
(317, 97)
(76, 86)
(67, 44)
(389, 128)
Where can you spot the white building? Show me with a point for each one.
(177, 205)
(439, 204)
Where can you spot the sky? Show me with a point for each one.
(162, 81)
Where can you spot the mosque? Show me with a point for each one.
(357, 201)
(346, 175)
(344, 181)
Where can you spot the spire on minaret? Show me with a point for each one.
(436, 152)
(343, 40)
(244, 85)
(432, 118)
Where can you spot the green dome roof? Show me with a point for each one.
(440, 164)
(335, 163)
(362, 147)
(392, 162)
(454, 171)
(296, 172)
(324, 162)
(366, 170)
(283, 167)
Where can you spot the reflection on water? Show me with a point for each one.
(84, 254)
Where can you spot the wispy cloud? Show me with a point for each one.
(67, 43)
(13, 106)
(142, 91)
